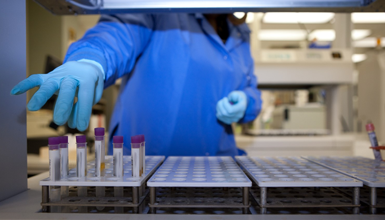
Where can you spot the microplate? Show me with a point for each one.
(152, 162)
(292, 172)
(367, 170)
(199, 172)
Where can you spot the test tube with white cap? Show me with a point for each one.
(54, 171)
(135, 155)
(81, 162)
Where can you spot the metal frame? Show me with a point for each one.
(63, 7)
(371, 196)
(324, 198)
(134, 199)
(205, 198)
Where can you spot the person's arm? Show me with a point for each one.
(105, 53)
(115, 43)
(241, 105)
(254, 101)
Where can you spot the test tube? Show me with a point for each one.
(81, 165)
(118, 167)
(140, 156)
(99, 161)
(54, 158)
(99, 152)
(143, 153)
(64, 157)
(118, 156)
(54, 171)
(373, 141)
(81, 156)
(64, 166)
(135, 155)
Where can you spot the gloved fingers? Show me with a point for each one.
(229, 108)
(238, 108)
(46, 90)
(99, 90)
(73, 116)
(85, 103)
(65, 100)
(220, 109)
(237, 97)
(234, 97)
(27, 84)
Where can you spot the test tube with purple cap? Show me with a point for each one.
(135, 155)
(118, 166)
(54, 170)
(81, 165)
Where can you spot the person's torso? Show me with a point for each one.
(172, 93)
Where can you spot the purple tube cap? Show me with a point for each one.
(141, 137)
(54, 140)
(64, 139)
(117, 139)
(81, 139)
(99, 131)
(136, 139)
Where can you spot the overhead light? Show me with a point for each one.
(368, 42)
(239, 15)
(297, 17)
(356, 58)
(330, 35)
(282, 35)
(366, 17)
(249, 19)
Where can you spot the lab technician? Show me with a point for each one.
(185, 79)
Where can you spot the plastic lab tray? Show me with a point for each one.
(367, 170)
(199, 172)
(152, 162)
(293, 172)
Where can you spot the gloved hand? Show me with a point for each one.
(83, 79)
(232, 108)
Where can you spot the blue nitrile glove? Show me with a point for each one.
(232, 108)
(83, 79)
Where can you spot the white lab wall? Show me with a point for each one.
(371, 94)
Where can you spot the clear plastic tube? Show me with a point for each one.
(135, 156)
(99, 161)
(118, 156)
(81, 166)
(143, 154)
(64, 157)
(373, 141)
(54, 158)
(54, 171)
(81, 157)
(55, 196)
(99, 152)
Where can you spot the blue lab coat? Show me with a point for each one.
(175, 69)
